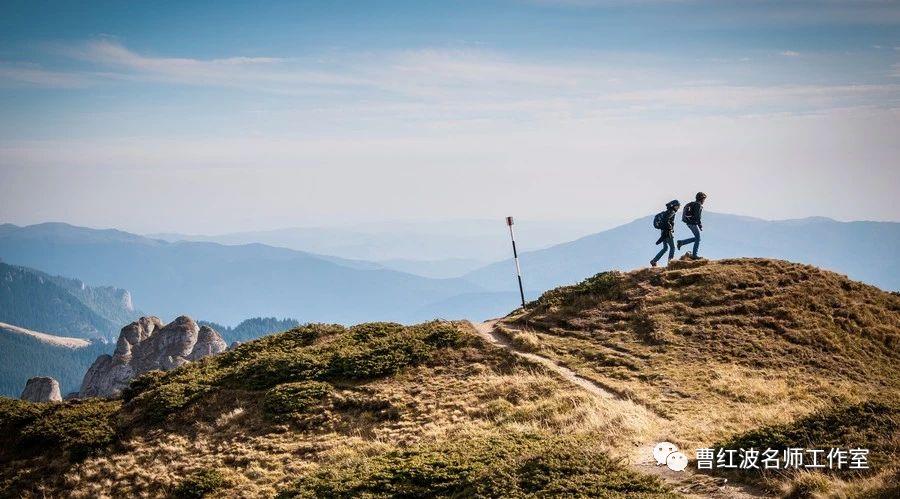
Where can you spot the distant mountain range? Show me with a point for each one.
(865, 251)
(439, 249)
(62, 306)
(467, 239)
(229, 283)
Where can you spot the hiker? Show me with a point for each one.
(691, 216)
(665, 222)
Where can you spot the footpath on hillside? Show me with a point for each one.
(689, 483)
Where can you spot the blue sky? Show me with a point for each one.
(255, 115)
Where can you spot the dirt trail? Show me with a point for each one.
(688, 483)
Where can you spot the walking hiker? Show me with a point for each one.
(691, 216)
(665, 222)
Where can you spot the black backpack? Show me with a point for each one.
(689, 214)
(659, 221)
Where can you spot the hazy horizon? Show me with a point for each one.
(435, 226)
(314, 114)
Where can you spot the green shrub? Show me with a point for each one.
(157, 404)
(142, 383)
(16, 413)
(603, 285)
(313, 352)
(495, 466)
(292, 341)
(439, 334)
(200, 484)
(872, 425)
(78, 426)
(370, 330)
(284, 401)
(266, 371)
(378, 357)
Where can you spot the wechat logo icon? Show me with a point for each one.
(667, 453)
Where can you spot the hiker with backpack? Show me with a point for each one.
(665, 222)
(691, 216)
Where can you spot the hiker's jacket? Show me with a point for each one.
(692, 213)
(668, 226)
(668, 222)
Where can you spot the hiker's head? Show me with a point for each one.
(701, 197)
(673, 205)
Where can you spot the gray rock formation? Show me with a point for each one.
(146, 345)
(41, 389)
(209, 342)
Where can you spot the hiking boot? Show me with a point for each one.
(652, 263)
(678, 243)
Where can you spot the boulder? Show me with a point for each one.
(41, 389)
(146, 345)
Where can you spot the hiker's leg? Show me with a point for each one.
(696, 238)
(670, 242)
(683, 242)
(660, 254)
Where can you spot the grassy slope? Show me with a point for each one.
(378, 409)
(735, 351)
(725, 347)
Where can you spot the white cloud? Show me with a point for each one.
(264, 73)
(450, 89)
(790, 53)
(33, 75)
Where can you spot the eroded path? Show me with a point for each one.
(687, 482)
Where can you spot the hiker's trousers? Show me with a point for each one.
(668, 244)
(696, 239)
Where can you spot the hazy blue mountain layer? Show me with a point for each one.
(864, 251)
(226, 284)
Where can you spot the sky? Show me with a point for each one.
(212, 117)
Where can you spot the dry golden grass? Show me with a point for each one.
(471, 392)
(736, 342)
(721, 347)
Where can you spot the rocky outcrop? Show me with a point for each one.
(146, 345)
(41, 389)
(209, 342)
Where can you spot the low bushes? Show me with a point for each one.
(500, 465)
(873, 425)
(312, 353)
(290, 399)
(200, 484)
(605, 285)
(78, 427)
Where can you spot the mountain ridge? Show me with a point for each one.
(226, 284)
(859, 249)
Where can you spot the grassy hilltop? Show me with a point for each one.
(734, 352)
(738, 351)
